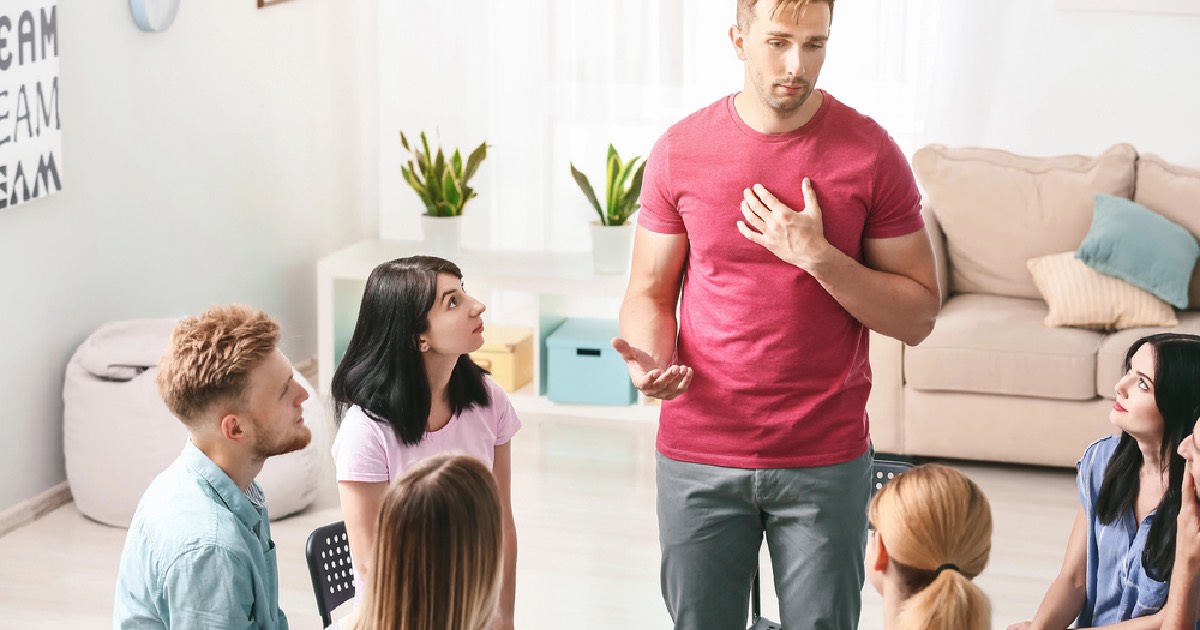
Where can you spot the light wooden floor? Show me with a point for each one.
(583, 496)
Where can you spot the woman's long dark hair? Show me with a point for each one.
(1177, 396)
(383, 370)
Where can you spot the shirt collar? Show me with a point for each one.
(199, 464)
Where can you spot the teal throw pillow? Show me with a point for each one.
(1141, 247)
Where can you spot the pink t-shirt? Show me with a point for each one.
(781, 370)
(366, 450)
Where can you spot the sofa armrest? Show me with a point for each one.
(938, 239)
(885, 407)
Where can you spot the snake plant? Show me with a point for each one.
(622, 187)
(441, 183)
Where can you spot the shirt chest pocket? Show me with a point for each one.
(1151, 595)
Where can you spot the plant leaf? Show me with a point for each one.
(404, 142)
(613, 170)
(626, 170)
(439, 165)
(581, 180)
(434, 184)
(474, 160)
(631, 204)
(412, 180)
(451, 193)
(456, 164)
(425, 145)
(444, 210)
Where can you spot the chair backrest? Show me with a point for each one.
(329, 566)
(884, 470)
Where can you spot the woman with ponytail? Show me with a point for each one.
(932, 535)
(1121, 552)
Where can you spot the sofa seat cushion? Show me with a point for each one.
(990, 344)
(1112, 349)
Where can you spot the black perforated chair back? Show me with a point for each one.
(882, 471)
(328, 556)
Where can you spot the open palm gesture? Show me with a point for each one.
(650, 378)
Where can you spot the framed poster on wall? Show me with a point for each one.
(30, 128)
(1177, 7)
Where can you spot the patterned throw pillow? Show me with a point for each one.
(1084, 298)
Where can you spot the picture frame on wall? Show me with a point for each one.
(267, 3)
(30, 161)
(1174, 7)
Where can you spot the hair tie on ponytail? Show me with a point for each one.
(948, 565)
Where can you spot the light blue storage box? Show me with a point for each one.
(584, 368)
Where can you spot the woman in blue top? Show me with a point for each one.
(1122, 548)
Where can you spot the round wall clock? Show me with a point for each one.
(154, 16)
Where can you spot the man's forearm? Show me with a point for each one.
(650, 325)
(889, 304)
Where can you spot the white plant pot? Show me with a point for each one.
(611, 247)
(442, 236)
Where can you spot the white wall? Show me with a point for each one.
(211, 163)
(1025, 76)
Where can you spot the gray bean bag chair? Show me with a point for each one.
(118, 434)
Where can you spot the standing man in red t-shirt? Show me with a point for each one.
(784, 225)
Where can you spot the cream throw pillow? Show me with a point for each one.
(1081, 297)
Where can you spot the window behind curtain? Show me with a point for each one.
(548, 82)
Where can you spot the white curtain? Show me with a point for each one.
(550, 82)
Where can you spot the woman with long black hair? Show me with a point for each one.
(1122, 548)
(406, 390)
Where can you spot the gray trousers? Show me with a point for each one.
(711, 522)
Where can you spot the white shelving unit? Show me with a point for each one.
(534, 290)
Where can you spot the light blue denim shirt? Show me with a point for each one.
(1117, 587)
(198, 554)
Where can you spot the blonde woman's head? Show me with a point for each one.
(437, 562)
(933, 534)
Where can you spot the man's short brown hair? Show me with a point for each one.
(745, 9)
(209, 359)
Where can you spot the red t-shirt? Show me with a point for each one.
(781, 370)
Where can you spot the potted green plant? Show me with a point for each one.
(442, 185)
(612, 234)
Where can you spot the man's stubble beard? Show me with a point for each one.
(784, 105)
(267, 445)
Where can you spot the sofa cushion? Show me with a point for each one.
(991, 344)
(1142, 247)
(1174, 192)
(998, 209)
(1080, 296)
(1112, 350)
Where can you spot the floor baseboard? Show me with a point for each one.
(32, 509)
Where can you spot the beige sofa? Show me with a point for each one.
(993, 382)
